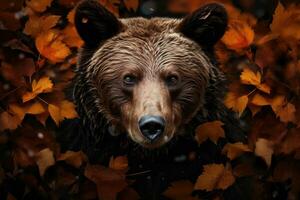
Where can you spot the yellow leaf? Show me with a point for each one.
(50, 45)
(214, 176)
(44, 85)
(44, 159)
(239, 35)
(54, 112)
(235, 150)
(38, 5)
(18, 110)
(35, 108)
(209, 130)
(37, 24)
(237, 104)
(264, 88)
(71, 37)
(248, 77)
(264, 149)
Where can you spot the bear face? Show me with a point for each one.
(147, 77)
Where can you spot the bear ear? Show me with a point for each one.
(94, 23)
(205, 25)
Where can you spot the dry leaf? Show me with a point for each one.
(248, 77)
(51, 46)
(235, 150)
(210, 130)
(64, 109)
(44, 159)
(264, 149)
(9, 121)
(38, 24)
(239, 35)
(119, 163)
(214, 176)
(38, 5)
(75, 159)
(237, 104)
(180, 190)
(43, 85)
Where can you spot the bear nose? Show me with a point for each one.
(152, 126)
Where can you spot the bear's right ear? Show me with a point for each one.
(94, 23)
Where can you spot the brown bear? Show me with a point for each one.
(141, 88)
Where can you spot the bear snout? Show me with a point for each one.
(152, 127)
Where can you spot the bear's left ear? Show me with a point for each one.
(206, 25)
(94, 23)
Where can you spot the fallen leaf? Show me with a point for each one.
(9, 121)
(75, 159)
(38, 24)
(238, 36)
(180, 190)
(109, 181)
(51, 46)
(62, 110)
(44, 159)
(210, 130)
(235, 150)
(237, 104)
(119, 163)
(214, 176)
(38, 5)
(264, 149)
(248, 77)
(287, 113)
(43, 85)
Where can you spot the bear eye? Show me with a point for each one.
(172, 80)
(129, 80)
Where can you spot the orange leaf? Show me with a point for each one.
(109, 182)
(50, 45)
(119, 163)
(71, 37)
(214, 176)
(264, 149)
(250, 78)
(180, 190)
(260, 100)
(209, 130)
(44, 159)
(38, 5)
(287, 113)
(43, 85)
(75, 159)
(235, 150)
(289, 19)
(239, 35)
(35, 25)
(9, 121)
(64, 109)
(237, 104)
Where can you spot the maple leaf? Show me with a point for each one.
(214, 176)
(62, 110)
(51, 46)
(235, 150)
(264, 149)
(43, 85)
(239, 35)
(38, 24)
(180, 190)
(38, 5)
(237, 104)
(248, 77)
(34, 108)
(119, 163)
(289, 19)
(209, 130)
(71, 37)
(72, 158)
(44, 159)
(260, 100)
(109, 181)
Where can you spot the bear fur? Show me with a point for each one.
(110, 44)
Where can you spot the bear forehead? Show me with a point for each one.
(149, 27)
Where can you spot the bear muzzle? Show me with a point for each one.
(152, 127)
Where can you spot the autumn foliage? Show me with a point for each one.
(37, 56)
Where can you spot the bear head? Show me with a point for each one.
(148, 78)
